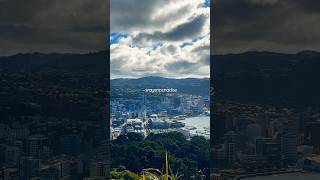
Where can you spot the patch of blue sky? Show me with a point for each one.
(115, 37)
(152, 47)
(194, 39)
(156, 46)
(184, 44)
(205, 4)
(136, 46)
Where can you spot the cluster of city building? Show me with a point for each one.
(52, 126)
(251, 139)
(147, 113)
(50, 156)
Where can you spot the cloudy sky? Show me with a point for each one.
(286, 26)
(52, 26)
(169, 38)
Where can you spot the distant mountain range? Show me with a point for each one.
(262, 77)
(188, 85)
(96, 62)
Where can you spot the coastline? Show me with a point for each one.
(199, 125)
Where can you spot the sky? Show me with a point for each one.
(74, 26)
(285, 26)
(168, 38)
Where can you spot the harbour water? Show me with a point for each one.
(201, 123)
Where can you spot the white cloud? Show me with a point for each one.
(156, 29)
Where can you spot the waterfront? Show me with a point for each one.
(201, 123)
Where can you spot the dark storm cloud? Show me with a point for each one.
(52, 26)
(309, 5)
(187, 30)
(272, 25)
(127, 15)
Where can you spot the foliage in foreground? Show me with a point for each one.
(187, 157)
(122, 174)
